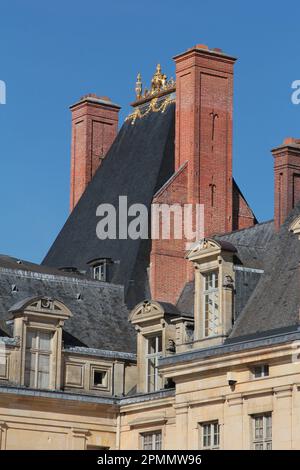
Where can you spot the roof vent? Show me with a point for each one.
(14, 288)
(19, 261)
(69, 269)
(78, 296)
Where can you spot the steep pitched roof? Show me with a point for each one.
(251, 243)
(100, 317)
(275, 301)
(139, 162)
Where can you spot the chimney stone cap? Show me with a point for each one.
(288, 142)
(291, 140)
(94, 98)
(203, 48)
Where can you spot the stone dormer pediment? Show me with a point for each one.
(145, 311)
(40, 306)
(207, 247)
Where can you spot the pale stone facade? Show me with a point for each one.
(185, 389)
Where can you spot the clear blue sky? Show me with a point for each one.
(54, 52)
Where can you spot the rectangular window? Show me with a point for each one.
(100, 378)
(151, 440)
(262, 431)
(210, 435)
(261, 370)
(100, 271)
(154, 352)
(38, 358)
(211, 303)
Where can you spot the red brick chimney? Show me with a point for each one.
(286, 179)
(203, 160)
(204, 93)
(94, 128)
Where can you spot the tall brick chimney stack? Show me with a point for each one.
(204, 95)
(94, 128)
(286, 179)
(203, 160)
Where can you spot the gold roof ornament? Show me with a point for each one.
(138, 86)
(154, 100)
(159, 83)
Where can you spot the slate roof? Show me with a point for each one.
(251, 243)
(139, 162)
(100, 317)
(185, 302)
(275, 302)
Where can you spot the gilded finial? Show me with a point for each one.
(138, 86)
(159, 80)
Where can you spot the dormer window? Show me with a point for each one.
(38, 358)
(156, 333)
(38, 322)
(214, 290)
(100, 269)
(211, 303)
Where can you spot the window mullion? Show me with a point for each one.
(36, 369)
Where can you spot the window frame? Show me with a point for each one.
(104, 373)
(206, 293)
(100, 271)
(154, 443)
(155, 357)
(107, 384)
(265, 371)
(212, 434)
(37, 352)
(266, 439)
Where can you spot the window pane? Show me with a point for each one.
(43, 372)
(206, 435)
(158, 441)
(45, 340)
(31, 339)
(30, 365)
(151, 345)
(257, 372)
(159, 344)
(259, 427)
(152, 441)
(147, 441)
(154, 352)
(216, 434)
(268, 427)
(151, 374)
(211, 304)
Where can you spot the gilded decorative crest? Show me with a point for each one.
(159, 80)
(159, 83)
